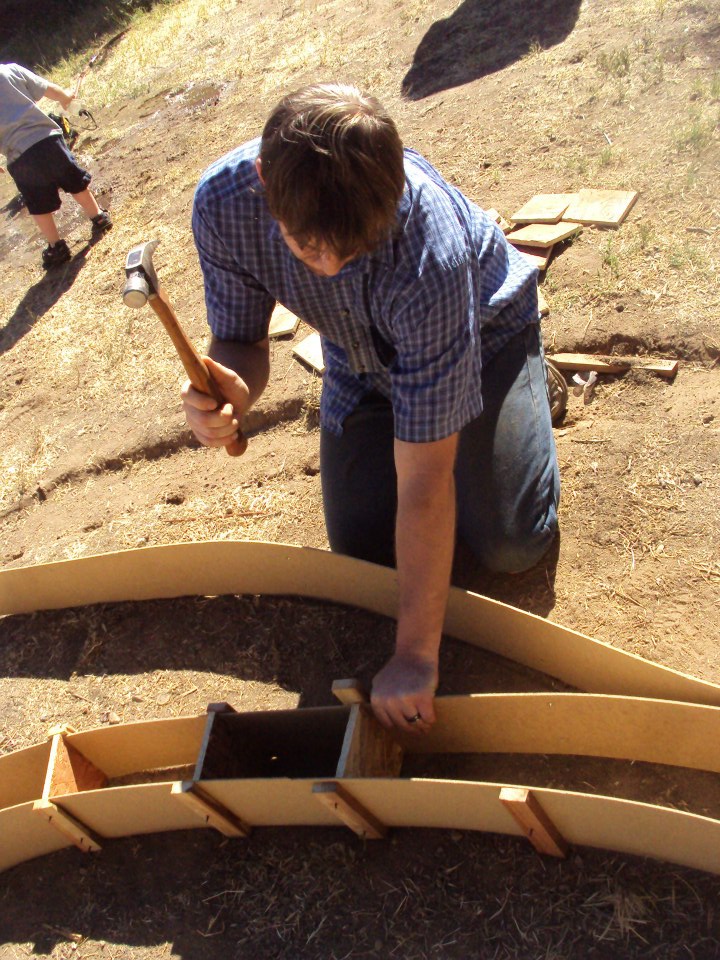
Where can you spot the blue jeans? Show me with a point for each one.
(506, 472)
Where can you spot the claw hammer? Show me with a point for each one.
(141, 287)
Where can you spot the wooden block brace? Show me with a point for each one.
(350, 691)
(533, 821)
(346, 808)
(68, 770)
(73, 829)
(368, 750)
(209, 810)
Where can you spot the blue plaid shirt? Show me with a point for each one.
(415, 320)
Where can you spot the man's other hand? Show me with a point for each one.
(216, 426)
(403, 692)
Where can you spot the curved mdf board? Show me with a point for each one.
(626, 826)
(214, 568)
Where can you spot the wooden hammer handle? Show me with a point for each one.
(198, 374)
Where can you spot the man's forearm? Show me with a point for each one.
(251, 361)
(425, 538)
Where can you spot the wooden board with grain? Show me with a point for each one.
(543, 208)
(601, 208)
(310, 352)
(609, 364)
(282, 322)
(537, 257)
(543, 235)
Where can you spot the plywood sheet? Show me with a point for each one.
(24, 835)
(282, 322)
(602, 208)
(624, 728)
(542, 235)
(145, 745)
(228, 567)
(309, 351)
(543, 208)
(22, 775)
(609, 364)
(124, 811)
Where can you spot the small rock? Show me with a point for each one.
(163, 698)
(113, 718)
(708, 418)
(697, 479)
(619, 307)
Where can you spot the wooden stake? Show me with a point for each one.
(71, 828)
(209, 810)
(346, 808)
(533, 821)
(350, 691)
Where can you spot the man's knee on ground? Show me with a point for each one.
(514, 551)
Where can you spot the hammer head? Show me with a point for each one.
(141, 282)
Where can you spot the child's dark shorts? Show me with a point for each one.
(44, 169)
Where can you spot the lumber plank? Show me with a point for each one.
(609, 364)
(368, 750)
(601, 208)
(74, 830)
(537, 257)
(542, 235)
(543, 208)
(525, 809)
(210, 812)
(337, 799)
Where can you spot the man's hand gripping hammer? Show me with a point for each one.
(141, 287)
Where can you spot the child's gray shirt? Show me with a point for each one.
(22, 124)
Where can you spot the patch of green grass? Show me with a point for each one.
(610, 259)
(694, 136)
(616, 63)
(606, 157)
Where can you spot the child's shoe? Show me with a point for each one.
(55, 254)
(101, 222)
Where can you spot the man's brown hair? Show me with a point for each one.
(332, 164)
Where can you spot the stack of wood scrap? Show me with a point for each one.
(548, 219)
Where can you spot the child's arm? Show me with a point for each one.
(63, 97)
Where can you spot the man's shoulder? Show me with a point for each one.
(230, 177)
(437, 223)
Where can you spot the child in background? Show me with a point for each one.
(38, 159)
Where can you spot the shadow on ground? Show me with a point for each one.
(42, 296)
(482, 37)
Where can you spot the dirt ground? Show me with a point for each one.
(507, 102)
